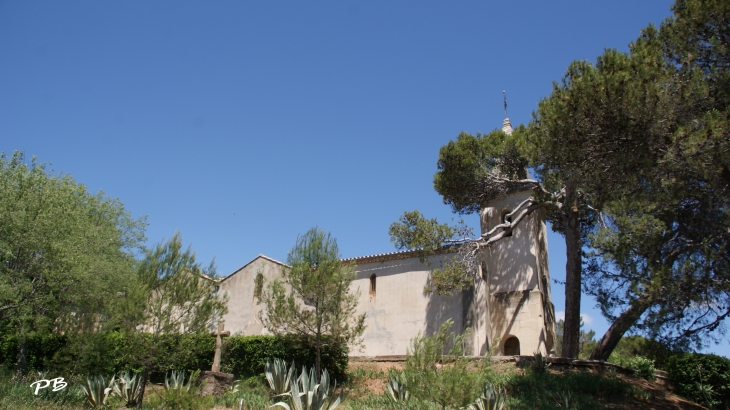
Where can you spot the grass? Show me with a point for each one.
(526, 390)
(16, 394)
(254, 392)
(546, 390)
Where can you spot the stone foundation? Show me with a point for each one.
(215, 383)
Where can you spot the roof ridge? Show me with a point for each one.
(262, 256)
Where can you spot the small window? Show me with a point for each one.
(372, 285)
(507, 219)
(258, 285)
(512, 346)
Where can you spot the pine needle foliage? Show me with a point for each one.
(438, 371)
(313, 297)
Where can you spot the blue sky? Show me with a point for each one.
(243, 124)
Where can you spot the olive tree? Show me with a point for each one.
(64, 252)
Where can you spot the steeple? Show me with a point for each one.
(506, 125)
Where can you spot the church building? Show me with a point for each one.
(509, 307)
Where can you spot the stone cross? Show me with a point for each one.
(218, 344)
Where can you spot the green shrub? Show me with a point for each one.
(685, 370)
(245, 356)
(114, 352)
(644, 367)
(252, 401)
(631, 346)
(438, 371)
(40, 349)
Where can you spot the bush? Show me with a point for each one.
(437, 370)
(245, 356)
(40, 348)
(684, 372)
(631, 346)
(644, 367)
(113, 352)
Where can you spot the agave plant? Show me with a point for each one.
(97, 390)
(279, 376)
(175, 380)
(539, 363)
(397, 388)
(491, 399)
(316, 398)
(565, 399)
(128, 387)
(307, 379)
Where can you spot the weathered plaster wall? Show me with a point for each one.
(243, 307)
(519, 314)
(400, 309)
(516, 271)
(511, 263)
(479, 319)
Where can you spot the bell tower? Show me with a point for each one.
(516, 277)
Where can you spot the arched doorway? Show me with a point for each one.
(512, 346)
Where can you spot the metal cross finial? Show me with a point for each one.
(504, 93)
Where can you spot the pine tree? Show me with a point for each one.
(313, 297)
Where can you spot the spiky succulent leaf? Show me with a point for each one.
(128, 387)
(491, 399)
(565, 399)
(307, 394)
(97, 390)
(279, 376)
(539, 363)
(397, 388)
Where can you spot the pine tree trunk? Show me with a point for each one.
(22, 364)
(145, 376)
(573, 267)
(317, 359)
(619, 326)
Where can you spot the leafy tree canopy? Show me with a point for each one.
(63, 251)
